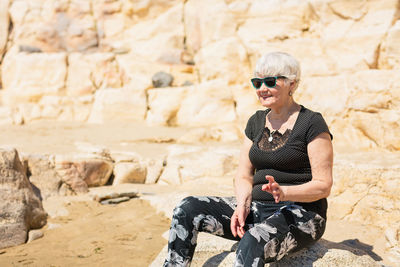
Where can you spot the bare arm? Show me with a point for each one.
(244, 175)
(320, 153)
(243, 188)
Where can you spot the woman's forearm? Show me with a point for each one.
(243, 189)
(308, 192)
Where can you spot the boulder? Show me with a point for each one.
(28, 77)
(90, 72)
(129, 172)
(185, 163)
(223, 59)
(21, 209)
(163, 105)
(43, 174)
(209, 103)
(144, 38)
(62, 26)
(122, 104)
(207, 21)
(81, 172)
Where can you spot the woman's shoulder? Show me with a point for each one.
(308, 113)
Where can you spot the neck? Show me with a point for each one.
(283, 113)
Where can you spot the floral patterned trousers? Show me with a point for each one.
(273, 230)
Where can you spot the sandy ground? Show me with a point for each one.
(127, 234)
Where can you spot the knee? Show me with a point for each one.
(184, 208)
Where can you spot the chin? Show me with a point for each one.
(266, 104)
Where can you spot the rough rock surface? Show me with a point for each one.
(216, 251)
(21, 209)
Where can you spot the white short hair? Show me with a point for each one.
(278, 64)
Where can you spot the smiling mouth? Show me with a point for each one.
(265, 96)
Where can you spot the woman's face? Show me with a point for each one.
(274, 97)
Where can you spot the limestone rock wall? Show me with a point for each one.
(93, 61)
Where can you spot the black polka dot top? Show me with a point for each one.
(287, 162)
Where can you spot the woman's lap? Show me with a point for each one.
(272, 232)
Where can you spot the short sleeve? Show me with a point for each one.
(249, 131)
(317, 126)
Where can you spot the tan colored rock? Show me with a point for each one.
(28, 77)
(203, 101)
(216, 251)
(129, 172)
(207, 22)
(54, 27)
(307, 49)
(341, 37)
(4, 24)
(66, 108)
(154, 170)
(138, 71)
(259, 29)
(164, 104)
(34, 234)
(10, 115)
(226, 59)
(320, 94)
(43, 174)
(144, 38)
(21, 209)
(121, 104)
(186, 163)
(80, 172)
(56, 108)
(90, 72)
(365, 188)
(389, 54)
(246, 102)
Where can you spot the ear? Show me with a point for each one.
(292, 86)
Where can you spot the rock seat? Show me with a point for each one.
(215, 251)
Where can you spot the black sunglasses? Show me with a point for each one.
(268, 81)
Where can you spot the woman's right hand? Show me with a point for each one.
(238, 220)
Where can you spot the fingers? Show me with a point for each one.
(238, 222)
(234, 224)
(241, 225)
(272, 187)
(270, 178)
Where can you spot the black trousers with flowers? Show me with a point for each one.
(273, 230)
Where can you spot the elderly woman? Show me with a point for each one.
(283, 178)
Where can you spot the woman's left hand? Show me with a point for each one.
(273, 188)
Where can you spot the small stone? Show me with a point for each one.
(34, 234)
(162, 79)
(114, 200)
(29, 49)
